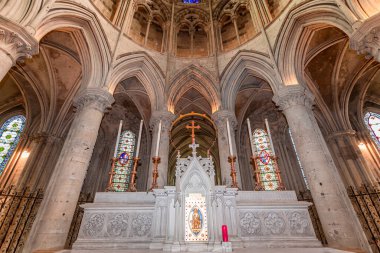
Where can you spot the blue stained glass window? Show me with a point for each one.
(372, 121)
(123, 165)
(191, 1)
(264, 160)
(10, 133)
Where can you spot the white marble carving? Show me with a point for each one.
(157, 220)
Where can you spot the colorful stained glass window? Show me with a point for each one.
(298, 160)
(10, 133)
(372, 121)
(264, 161)
(123, 165)
(191, 1)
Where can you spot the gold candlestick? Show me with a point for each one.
(132, 183)
(156, 160)
(258, 186)
(232, 160)
(281, 186)
(111, 174)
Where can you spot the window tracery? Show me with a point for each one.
(372, 121)
(123, 165)
(10, 133)
(265, 162)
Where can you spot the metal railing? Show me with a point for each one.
(18, 210)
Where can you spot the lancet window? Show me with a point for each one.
(191, 1)
(372, 121)
(265, 163)
(10, 133)
(123, 165)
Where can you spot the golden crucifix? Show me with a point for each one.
(193, 127)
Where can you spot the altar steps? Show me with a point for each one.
(241, 250)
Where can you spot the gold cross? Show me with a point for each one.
(193, 127)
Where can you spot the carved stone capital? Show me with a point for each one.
(294, 95)
(221, 116)
(43, 137)
(16, 42)
(340, 134)
(166, 118)
(367, 44)
(96, 98)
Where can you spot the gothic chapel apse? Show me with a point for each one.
(189, 126)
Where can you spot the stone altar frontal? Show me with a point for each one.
(189, 216)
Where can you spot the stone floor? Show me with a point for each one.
(245, 250)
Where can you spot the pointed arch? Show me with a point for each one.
(91, 39)
(197, 78)
(298, 28)
(146, 70)
(243, 64)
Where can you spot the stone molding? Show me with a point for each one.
(343, 133)
(293, 95)
(166, 118)
(44, 137)
(221, 116)
(97, 98)
(16, 42)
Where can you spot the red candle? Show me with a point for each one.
(225, 233)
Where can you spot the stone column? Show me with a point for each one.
(236, 28)
(147, 31)
(338, 218)
(54, 218)
(166, 118)
(15, 44)
(220, 119)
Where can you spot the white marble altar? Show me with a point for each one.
(164, 219)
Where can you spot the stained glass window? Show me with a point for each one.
(372, 121)
(264, 160)
(298, 160)
(123, 165)
(191, 1)
(10, 133)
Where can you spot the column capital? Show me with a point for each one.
(293, 95)
(221, 116)
(339, 134)
(367, 44)
(16, 42)
(97, 98)
(166, 118)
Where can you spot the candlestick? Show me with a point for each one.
(269, 134)
(111, 174)
(118, 138)
(253, 149)
(158, 139)
(132, 183)
(232, 160)
(229, 138)
(139, 139)
(156, 161)
(256, 171)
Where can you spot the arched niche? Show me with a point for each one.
(139, 24)
(244, 24)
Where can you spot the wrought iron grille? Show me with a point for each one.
(77, 219)
(306, 196)
(18, 209)
(366, 202)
